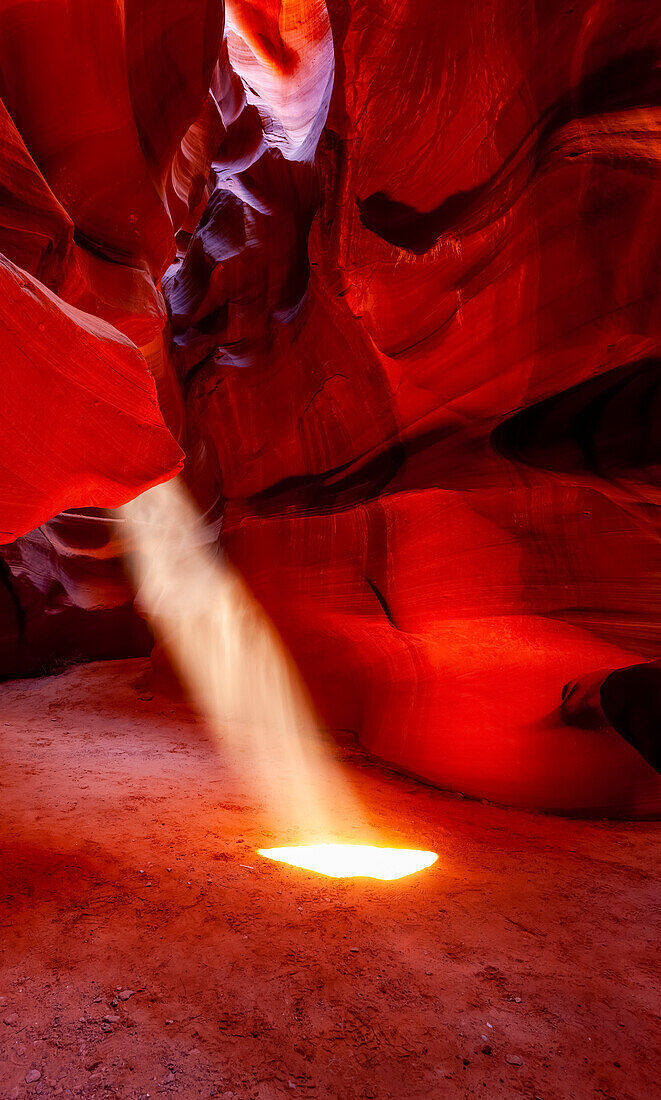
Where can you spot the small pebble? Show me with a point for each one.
(486, 1049)
(112, 1019)
(32, 1076)
(513, 1060)
(11, 1020)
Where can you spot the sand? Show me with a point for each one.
(523, 963)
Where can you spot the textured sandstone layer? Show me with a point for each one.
(94, 104)
(415, 328)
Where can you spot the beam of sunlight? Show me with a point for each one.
(353, 860)
(235, 667)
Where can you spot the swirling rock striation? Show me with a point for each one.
(415, 330)
(94, 104)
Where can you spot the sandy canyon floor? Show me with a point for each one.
(148, 950)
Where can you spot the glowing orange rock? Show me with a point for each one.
(78, 399)
(416, 331)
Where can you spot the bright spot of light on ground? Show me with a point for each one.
(353, 860)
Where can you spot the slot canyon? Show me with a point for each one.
(330, 489)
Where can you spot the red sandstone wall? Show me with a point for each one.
(416, 332)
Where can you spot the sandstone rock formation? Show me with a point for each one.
(413, 317)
